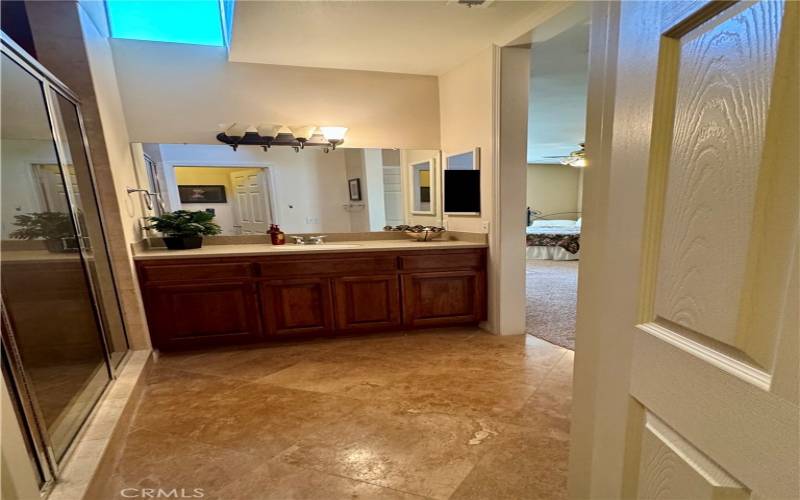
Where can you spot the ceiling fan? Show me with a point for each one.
(576, 158)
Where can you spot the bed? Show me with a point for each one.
(553, 239)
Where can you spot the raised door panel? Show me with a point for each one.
(442, 298)
(722, 88)
(671, 468)
(367, 302)
(297, 306)
(202, 314)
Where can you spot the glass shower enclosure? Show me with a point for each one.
(62, 329)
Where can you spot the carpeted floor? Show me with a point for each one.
(552, 290)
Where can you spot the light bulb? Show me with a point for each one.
(580, 163)
(334, 133)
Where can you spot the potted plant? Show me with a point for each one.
(55, 228)
(184, 229)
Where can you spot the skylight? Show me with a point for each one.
(196, 22)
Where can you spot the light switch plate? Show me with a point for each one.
(485, 226)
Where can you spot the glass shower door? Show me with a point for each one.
(69, 134)
(54, 328)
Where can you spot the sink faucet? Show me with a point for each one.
(312, 240)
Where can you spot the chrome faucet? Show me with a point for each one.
(312, 240)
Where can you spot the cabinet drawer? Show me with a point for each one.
(439, 261)
(152, 273)
(320, 267)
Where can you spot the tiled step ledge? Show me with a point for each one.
(93, 455)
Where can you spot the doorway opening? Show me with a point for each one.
(556, 130)
(239, 197)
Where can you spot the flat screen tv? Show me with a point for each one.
(462, 191)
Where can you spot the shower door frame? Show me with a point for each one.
(45, 459)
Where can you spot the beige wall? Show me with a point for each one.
(115, 132)
(554, 188)
(178, 93)
(466, 100)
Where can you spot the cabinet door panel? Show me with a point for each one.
(202, 314)
(297, 306)
(442, 298)
(367, 302)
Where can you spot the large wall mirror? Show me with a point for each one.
(310, 191)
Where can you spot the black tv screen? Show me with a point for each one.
(462, 191)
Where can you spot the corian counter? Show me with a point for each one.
(292, 249)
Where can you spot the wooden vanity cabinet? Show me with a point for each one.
(203, 302)
(202, 314)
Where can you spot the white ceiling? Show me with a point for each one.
(419, 37)
(557, 114)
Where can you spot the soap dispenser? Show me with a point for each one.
(276, 235)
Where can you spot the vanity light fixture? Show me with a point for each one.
(269, 135)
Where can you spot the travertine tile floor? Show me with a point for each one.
(450, 413)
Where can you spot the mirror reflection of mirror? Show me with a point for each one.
(422, 185)
(306, 192)
(463, 161)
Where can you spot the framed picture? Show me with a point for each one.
(202, 194)
(355, 189)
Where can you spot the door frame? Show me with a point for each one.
(603, 48)
(270, 179)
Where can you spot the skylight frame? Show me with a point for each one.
(225, 26)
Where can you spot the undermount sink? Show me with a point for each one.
(328, 246)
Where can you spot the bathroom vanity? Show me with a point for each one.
(232, 294)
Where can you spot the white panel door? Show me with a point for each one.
(697, 369)
(251, 202)
(393, 196)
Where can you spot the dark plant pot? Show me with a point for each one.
(58, 246)
(183, 242)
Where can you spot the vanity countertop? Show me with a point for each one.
(292, 249)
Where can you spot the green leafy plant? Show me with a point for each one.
(182, 223)
(43, 225)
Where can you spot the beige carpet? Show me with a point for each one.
(552, 290)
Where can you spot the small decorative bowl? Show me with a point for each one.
(425, 234)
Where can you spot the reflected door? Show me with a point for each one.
(251, 202)
(54, 329)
